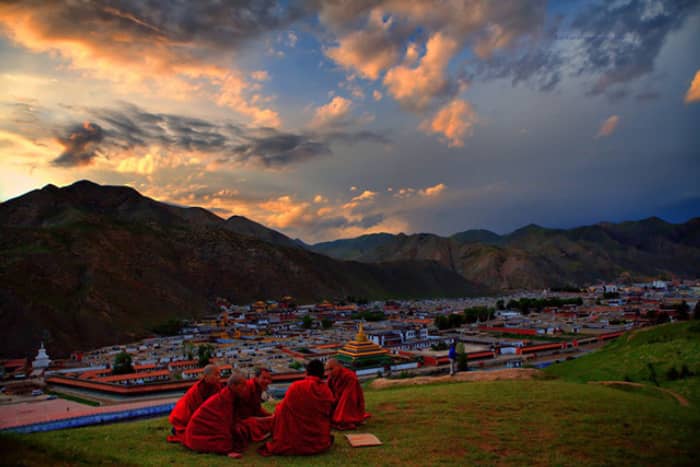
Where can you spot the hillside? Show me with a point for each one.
(89, 265)
(244, 226)
(537, 257)
(505, 423)
(654, 357)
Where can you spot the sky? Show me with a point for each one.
(333, 119)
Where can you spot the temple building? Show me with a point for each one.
(363, 353)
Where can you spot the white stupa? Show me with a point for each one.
(42, 360)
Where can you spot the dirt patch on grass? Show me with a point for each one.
(473, 376)
(681, 400)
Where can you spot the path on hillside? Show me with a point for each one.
(489, 375)
(681, 400)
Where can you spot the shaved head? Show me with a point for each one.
(333, 366)
(236, 379)
(211, 374)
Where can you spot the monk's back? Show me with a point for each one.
(302, 420)
(211, 428)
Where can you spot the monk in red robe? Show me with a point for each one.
(349, 408)
(251, 404)
(217, 427)
(302, 421)
(252, 399)
(193, 398)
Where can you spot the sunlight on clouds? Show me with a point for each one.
(284, 211)
(433, 190)
(693, 94)
(367, 51)
(145, 64)
(455, 121)
(608, 126)
(415, 87)
(337, 109)
(232, 95)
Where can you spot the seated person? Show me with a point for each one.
(194, 397)
(349, 409)
(302, 421)
(217, 427)
(252, 399)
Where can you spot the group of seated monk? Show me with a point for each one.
(225, 420)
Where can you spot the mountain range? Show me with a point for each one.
(89, 265)
(538, 257)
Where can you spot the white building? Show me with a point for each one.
(42, 360)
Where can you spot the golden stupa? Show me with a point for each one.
(362, 352)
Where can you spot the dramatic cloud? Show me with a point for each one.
(433, 190)
(608, 126)
(147, 49)
(415, 87)
(455, 121)
(80, 146)
(693, 94)
(376, 95)
(134, 140)
(275, 149)
(621, 40)
(333, 112)
(369, 51)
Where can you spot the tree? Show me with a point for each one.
(307, 322)
(326, 323)
(204, 354)
(122, 364)
(696, 311)
(188, 350)
(462, 362)
(501, 304)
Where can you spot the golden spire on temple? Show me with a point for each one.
(360, 336)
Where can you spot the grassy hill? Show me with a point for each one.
(503, 422)
(654, 357)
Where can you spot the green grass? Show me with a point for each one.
(74, 398)
(639, 355)
(548, 422)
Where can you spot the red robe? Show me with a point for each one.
(216, 425)
(350, 401)
(302, 421)
(251, 401)
(186, 406)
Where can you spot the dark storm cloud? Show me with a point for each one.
(352, 137)
(130, 128)
(539, 66)
(279, 149)
(619, 42)
(622, 40)
(80, 146)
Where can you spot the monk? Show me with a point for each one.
(302, 421)
(193, 398)
(217, 427)
(349, 408)
(252, 400)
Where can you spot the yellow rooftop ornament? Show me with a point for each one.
(360, 336)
